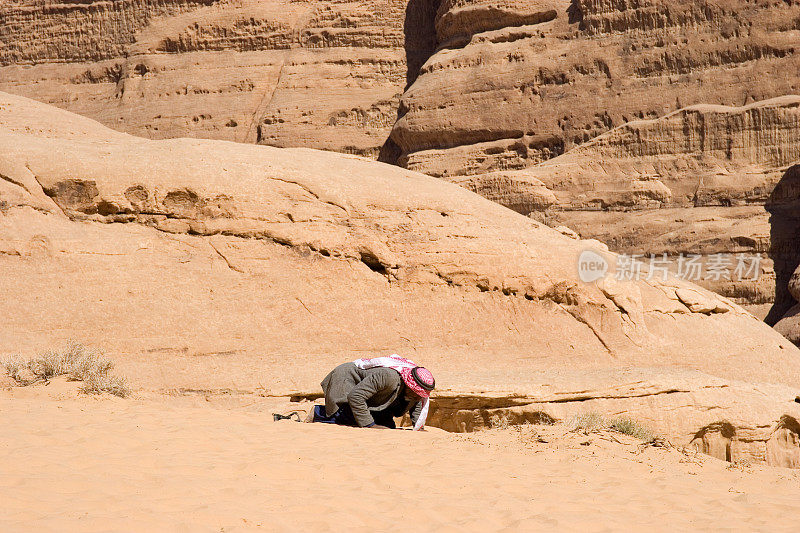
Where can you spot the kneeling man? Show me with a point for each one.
(371, 392)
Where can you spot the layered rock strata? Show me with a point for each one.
(516, 82)
(704, 181)
(299, 73)
(653, 104)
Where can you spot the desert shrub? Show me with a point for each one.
(587, 422)
(13, 367)
(591, 421)
(631, 427)
(100, 383)
(499, 421)
(75, 361)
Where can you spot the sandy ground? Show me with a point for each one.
(169, 463)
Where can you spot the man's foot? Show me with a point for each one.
(311, 415)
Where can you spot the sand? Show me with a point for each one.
(187, 463)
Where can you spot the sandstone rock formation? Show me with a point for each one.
(207, 265)
(495, 88)
(517, 82)
(789, 325)
(784, 218)
(699, 156)
(285, 73)
(693, 182)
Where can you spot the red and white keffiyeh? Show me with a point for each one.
(404, 367)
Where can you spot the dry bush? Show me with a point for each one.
(75, 361)
(499, 421)
(100, 383)
(587, 422)
(591, 421)
(630, 427)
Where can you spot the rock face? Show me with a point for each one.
(278, 72)
(794, 285)
(699, 156)
(789, 325)
(618, 107)
(207, 265)
(699, 181)
(495, 88)
(517, 82)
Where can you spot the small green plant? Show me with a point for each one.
(75, 361)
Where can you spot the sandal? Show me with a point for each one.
(295, 414)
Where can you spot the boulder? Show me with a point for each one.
(794, 285)
(789, 325)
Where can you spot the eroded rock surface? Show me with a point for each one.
(517, 82)
(285, 73)
(214, 266)
(680, 396)
(712, 181)
(699, 156)
(619, 107)
(700, 181)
